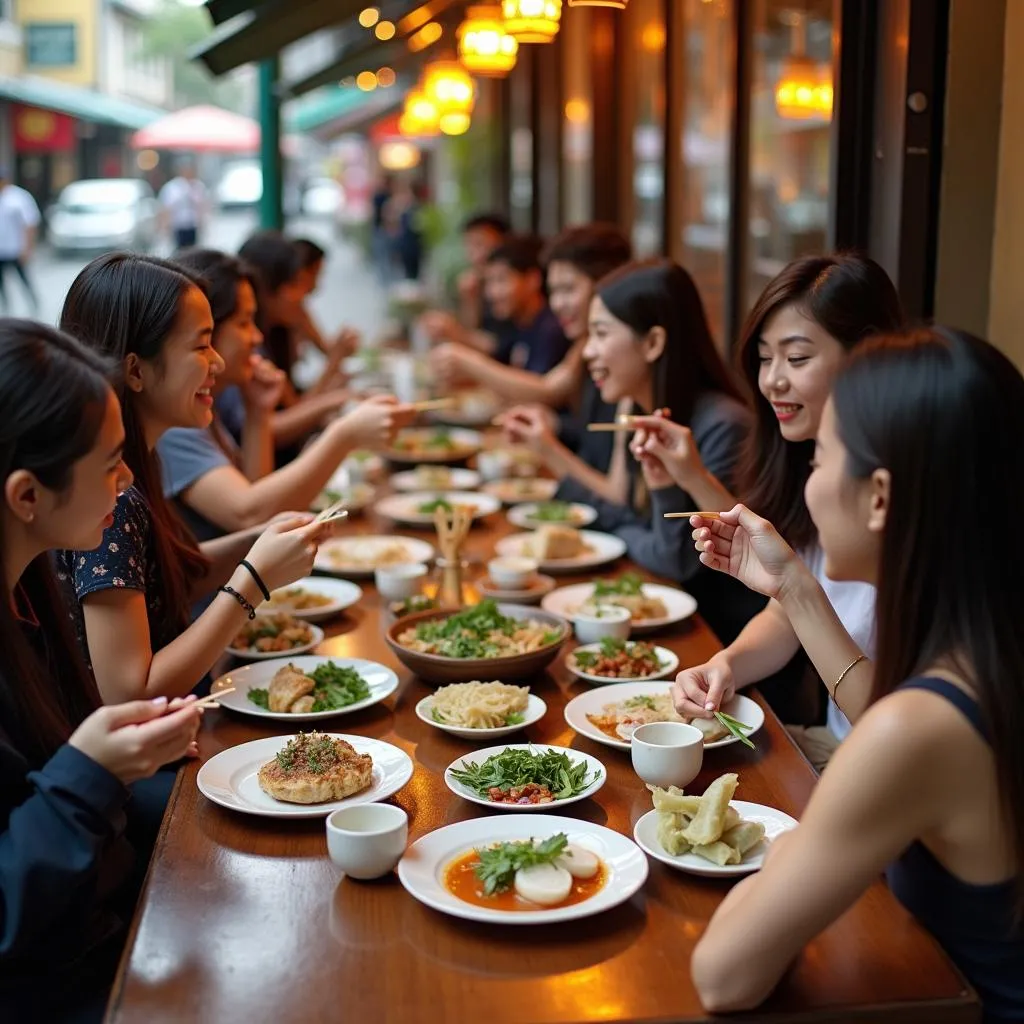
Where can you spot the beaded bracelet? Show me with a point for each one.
(842, 675)
(240, 599)
(256, 576)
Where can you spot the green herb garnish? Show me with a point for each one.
(515, 718)
(642, 702)
(439, 439)
(336, 687)
(736, 727)
(513, 768)
(629, 584)
(312, 751)
(467, 634)
(499, 864)
(261, 698)
(552, 512)
(429, 507)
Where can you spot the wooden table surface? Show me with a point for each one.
(247, 920)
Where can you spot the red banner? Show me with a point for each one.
(42, 131)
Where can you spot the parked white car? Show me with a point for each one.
(98, 214)
(240, 185)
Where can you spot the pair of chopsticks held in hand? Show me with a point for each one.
(626, 422)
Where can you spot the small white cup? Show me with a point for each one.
(397, 582)
(368, 840)
(607, 620)
(512, 572)
(494, 464)
(667, 753)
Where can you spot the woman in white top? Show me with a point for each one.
(794, 342)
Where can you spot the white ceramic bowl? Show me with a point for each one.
(608, 620)
(667, 753)
(397, 582)
(494, 465)
(512, 572)
(368, 840)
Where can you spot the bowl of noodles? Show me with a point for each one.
(484, 640)
(477, 710)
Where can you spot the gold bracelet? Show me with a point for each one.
(842, 675)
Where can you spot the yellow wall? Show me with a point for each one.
(85, 15)
(1006, 305)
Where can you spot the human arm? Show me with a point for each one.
(225, 497)
(55, 838)
(529, 426)
(441, 326)
(305, 415)
(260, 396)
(117, 623)
(750, 549)
(554, 388)
(888, 784)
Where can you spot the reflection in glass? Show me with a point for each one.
(706, 85)
(791, 114)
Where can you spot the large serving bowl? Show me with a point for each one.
(437, 669)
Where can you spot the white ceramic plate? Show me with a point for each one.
(457, 480)
(379, 678)
(595, 772)
(743, 709)
(565, 601)
(669, 664)
(543, 585)
(535, 711)
(249, 655)
(523, 516)
(421, 870)
(775, 823)
(342, 595)
(356, 556)
(230, 777)
(601, 548)
(466, 443)
(514, 492)
(405, 508)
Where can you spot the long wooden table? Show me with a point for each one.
(247, 920)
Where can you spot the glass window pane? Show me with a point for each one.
(791, 115)
(644, 88)
(578, 121)
(705, 76)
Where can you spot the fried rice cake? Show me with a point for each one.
(287, 686)
(313, 768)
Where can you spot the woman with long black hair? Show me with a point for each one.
(153, 320)
(916, 466)
(73, 849)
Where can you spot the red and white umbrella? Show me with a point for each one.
(201, 129)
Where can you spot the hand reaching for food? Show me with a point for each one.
(666, 451)
(375, 421)
(285, 551)
(700, 691)
(529, 425)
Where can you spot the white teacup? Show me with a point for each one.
(610, 620)
(512, 572)
(494, 464)
(368, 840)
(667, 753)
(398, 582)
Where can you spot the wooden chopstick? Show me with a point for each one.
(335, 511)
(618, 425)
(433, 403)
(686, 515)
(210, 700)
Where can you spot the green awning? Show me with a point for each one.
(336, 103)
(78, 102)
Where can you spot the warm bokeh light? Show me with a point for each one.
(427, 36)
(448, 85)
(804, 91)
(398, 156)
(619, 5)
(369, 17)
(532, 21)
(652, 38)
(385, 30)
(147, 159)
(366, 80)
(577, 111)
(420, 115)
(454, 123)
(485, 48)
(386, 78)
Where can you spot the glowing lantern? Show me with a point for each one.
(420, 116)
(448, 85)
(532, 21)
(455, 122)
(804, 91)
(485, 48)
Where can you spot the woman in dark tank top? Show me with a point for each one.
(918, 454)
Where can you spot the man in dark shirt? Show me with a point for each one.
(529, 336)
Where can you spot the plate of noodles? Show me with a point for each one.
(314, 598)
(651, 605)
(433, 444)
(483, 640)
(360, 556)
(477, 710)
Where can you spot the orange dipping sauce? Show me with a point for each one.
(461, 881)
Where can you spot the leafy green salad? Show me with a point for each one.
(480, 631)
(525, 776)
